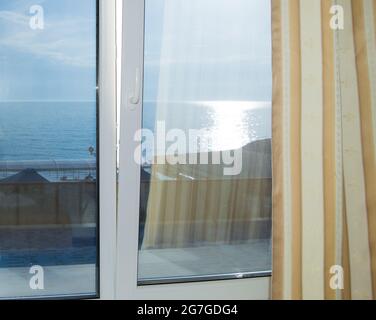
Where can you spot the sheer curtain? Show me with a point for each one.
(215, 75)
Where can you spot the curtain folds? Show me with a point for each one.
(197, 205)
(324, 169)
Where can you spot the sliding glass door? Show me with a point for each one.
(48, 148)
(195, 152)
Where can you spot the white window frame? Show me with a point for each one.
(129, 191)
(107, 147)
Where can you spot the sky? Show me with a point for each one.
(205, 50)
(57, 63)
(226, 52)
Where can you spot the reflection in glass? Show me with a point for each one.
(48, 189)
(207, 68)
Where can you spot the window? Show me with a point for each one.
(205, 193)
(48, 148)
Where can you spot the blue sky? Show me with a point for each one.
(226, 51)
(57, 63)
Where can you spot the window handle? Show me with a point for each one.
(135, 98)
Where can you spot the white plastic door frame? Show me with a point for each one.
(107, 147)
(129, 189)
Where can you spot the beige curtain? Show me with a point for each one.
(324, 170)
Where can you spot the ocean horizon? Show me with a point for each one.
(65, 130)
(47, 130)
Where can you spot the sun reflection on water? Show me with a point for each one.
(234, 124)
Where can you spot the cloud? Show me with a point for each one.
(67, 41)
(14, 17)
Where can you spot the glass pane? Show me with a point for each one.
(205, 208)
(48, 143)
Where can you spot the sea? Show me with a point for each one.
(67, 130)
(56, 130)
